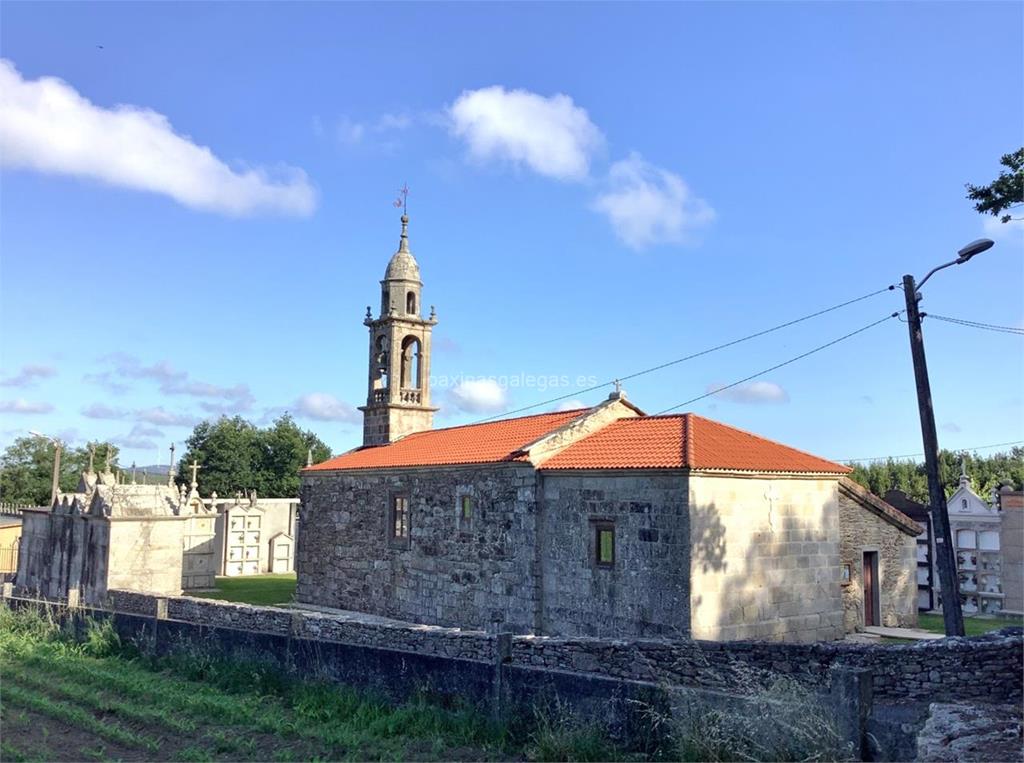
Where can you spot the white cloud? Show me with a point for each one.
(752, 392)
(103, 411)
(570, 405)
(551, 135)
(995, 229)
(24, 406)
(479, 396)
(326, 407)
(160, 417)
(28, 376)
(45, 125)
(138, 438)
(350, 133)
(649, 205)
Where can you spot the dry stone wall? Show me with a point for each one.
(982, 668)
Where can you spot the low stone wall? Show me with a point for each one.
(982, 668)
(346, 628)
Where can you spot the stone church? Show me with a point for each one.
(599, 521)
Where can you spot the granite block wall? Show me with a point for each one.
(450, 572)
(646, 591)
(764, 562)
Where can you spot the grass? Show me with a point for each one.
(254, 589)
(96, 698)
(973, 626)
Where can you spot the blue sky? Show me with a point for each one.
(195, 215)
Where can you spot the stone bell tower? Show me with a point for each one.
(398, 398)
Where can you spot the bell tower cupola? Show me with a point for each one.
(398, 396)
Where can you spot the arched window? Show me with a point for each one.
(380, 363)
(410, 303)
(411, 363)
(963, 503)
(385, 305)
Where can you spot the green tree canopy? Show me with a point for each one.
(986, 473)
(1003, 193)
(26, 468)
(235, 455)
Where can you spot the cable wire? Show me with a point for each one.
(801, 356)
(976, 325)
(912, 455)
(707, 351)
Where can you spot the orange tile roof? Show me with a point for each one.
(647, 442)
(685, 441)
(491, 442)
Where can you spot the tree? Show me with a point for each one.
(285, 449)
(234, 455)
(986, 473)
(26, 469)
(1003, 193)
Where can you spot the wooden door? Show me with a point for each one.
(871, 588)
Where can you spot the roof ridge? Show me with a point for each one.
(493, 421)
(766, 439)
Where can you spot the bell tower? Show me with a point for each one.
(398, 397)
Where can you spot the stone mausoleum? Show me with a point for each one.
(599, 521)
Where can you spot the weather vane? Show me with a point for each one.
(403, 198)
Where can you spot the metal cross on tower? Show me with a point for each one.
(403, 198)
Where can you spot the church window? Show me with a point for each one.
(399, 523)
(604, 544)
(465, 511)
(410, 303)
(963, 504)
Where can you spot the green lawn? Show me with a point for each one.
(973, 626)
(254, 589)
(100, 699)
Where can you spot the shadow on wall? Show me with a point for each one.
(707, 551)
(764, 566)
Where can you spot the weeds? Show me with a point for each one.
(783, 721)
(123, 698)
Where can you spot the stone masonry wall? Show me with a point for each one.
(764, 562)
(646, 591)
(347, 628)
(862, 530)
(982, 668)
(449, 572)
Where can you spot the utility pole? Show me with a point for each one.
(952, 614)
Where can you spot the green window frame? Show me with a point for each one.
(604, 544)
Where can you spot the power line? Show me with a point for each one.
(819, 348)
(976, 325)
(707, 351)
(912, 455)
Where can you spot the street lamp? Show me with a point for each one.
(57, 445)
(952, 615)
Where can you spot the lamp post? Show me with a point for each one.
(952, 615)
(57, 445)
